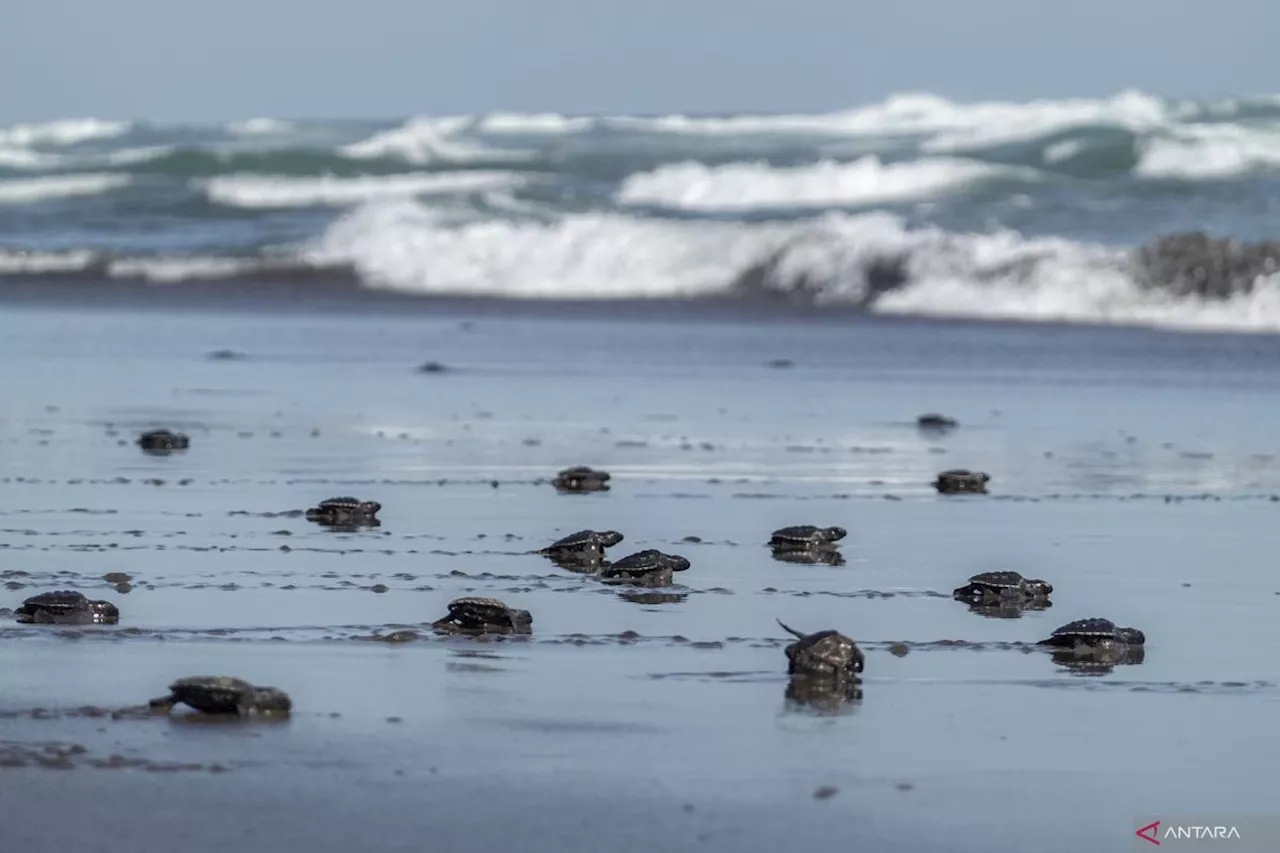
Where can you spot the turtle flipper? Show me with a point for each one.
(163, 703)
(790, 630)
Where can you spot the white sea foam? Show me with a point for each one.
(134, 156)
(954, 126)
(44, 262)
(266, 191)
(740, 186)
(259, 127)
(404, 245)
(430, 140)
(1209, 151)
(64, 132)
(176, 270)
(25, 190)
(547, 124)
(16, 157)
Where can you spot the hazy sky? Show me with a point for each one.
(172, 60)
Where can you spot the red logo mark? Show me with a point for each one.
(1152, 828)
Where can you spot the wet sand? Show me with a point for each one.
(1132, 472)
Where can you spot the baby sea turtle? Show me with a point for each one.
(163, 441)
(960, 480)
(581, 478)
(826, 654)
(66, 607)
(935, 422)
(644, 568)
(591, 542)
(222, 694)
(996, 588)
(806, 536)
(1094, 633)
(474, 615)
(345, 511)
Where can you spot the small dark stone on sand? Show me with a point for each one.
(116, 577)
(432, 367)
(826, 792)
(905, 786)
(691, 539)
(899, 650)
(781, 363)
(378, 587)
(395, 720)
(124, 588)
(225, 355)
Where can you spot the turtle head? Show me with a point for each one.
(104, 612)
(858, 658)
(835, 534)
(678, 563)
(1035, 586)
(609, 538)
(370, 507)
(1131, 636)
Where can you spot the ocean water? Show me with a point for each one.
(1025, 211)
(1136, 470)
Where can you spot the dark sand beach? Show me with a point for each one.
(1134, 470)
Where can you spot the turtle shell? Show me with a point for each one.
(59, 602)
(1093, 627)
(585, 539)
(476, 614)
(163, 438)
(824, 653)
(212, 694)
(808, 533)
(650, 560)
(998, 580)
(933, 420)
(350, 504)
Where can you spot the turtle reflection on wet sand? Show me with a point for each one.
(474, 615)
(827, 555)
(66, 607)
(581, 478)
(650, 568)
(824, 694)
(222, 694)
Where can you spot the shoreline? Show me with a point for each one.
(321, 293)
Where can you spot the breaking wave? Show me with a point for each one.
(743, 186)
(1043, 210)
(268, 191)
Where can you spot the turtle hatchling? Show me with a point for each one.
(1086, 636)
(222, 694)
(644, 568)
(934, 422)
(346, 512)
(806, 536)
(998, 588)
(473, 615)
(581, 478)
(584, 543)
(962, 481)
(66, 607)
(163, 441)
(826, 654)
